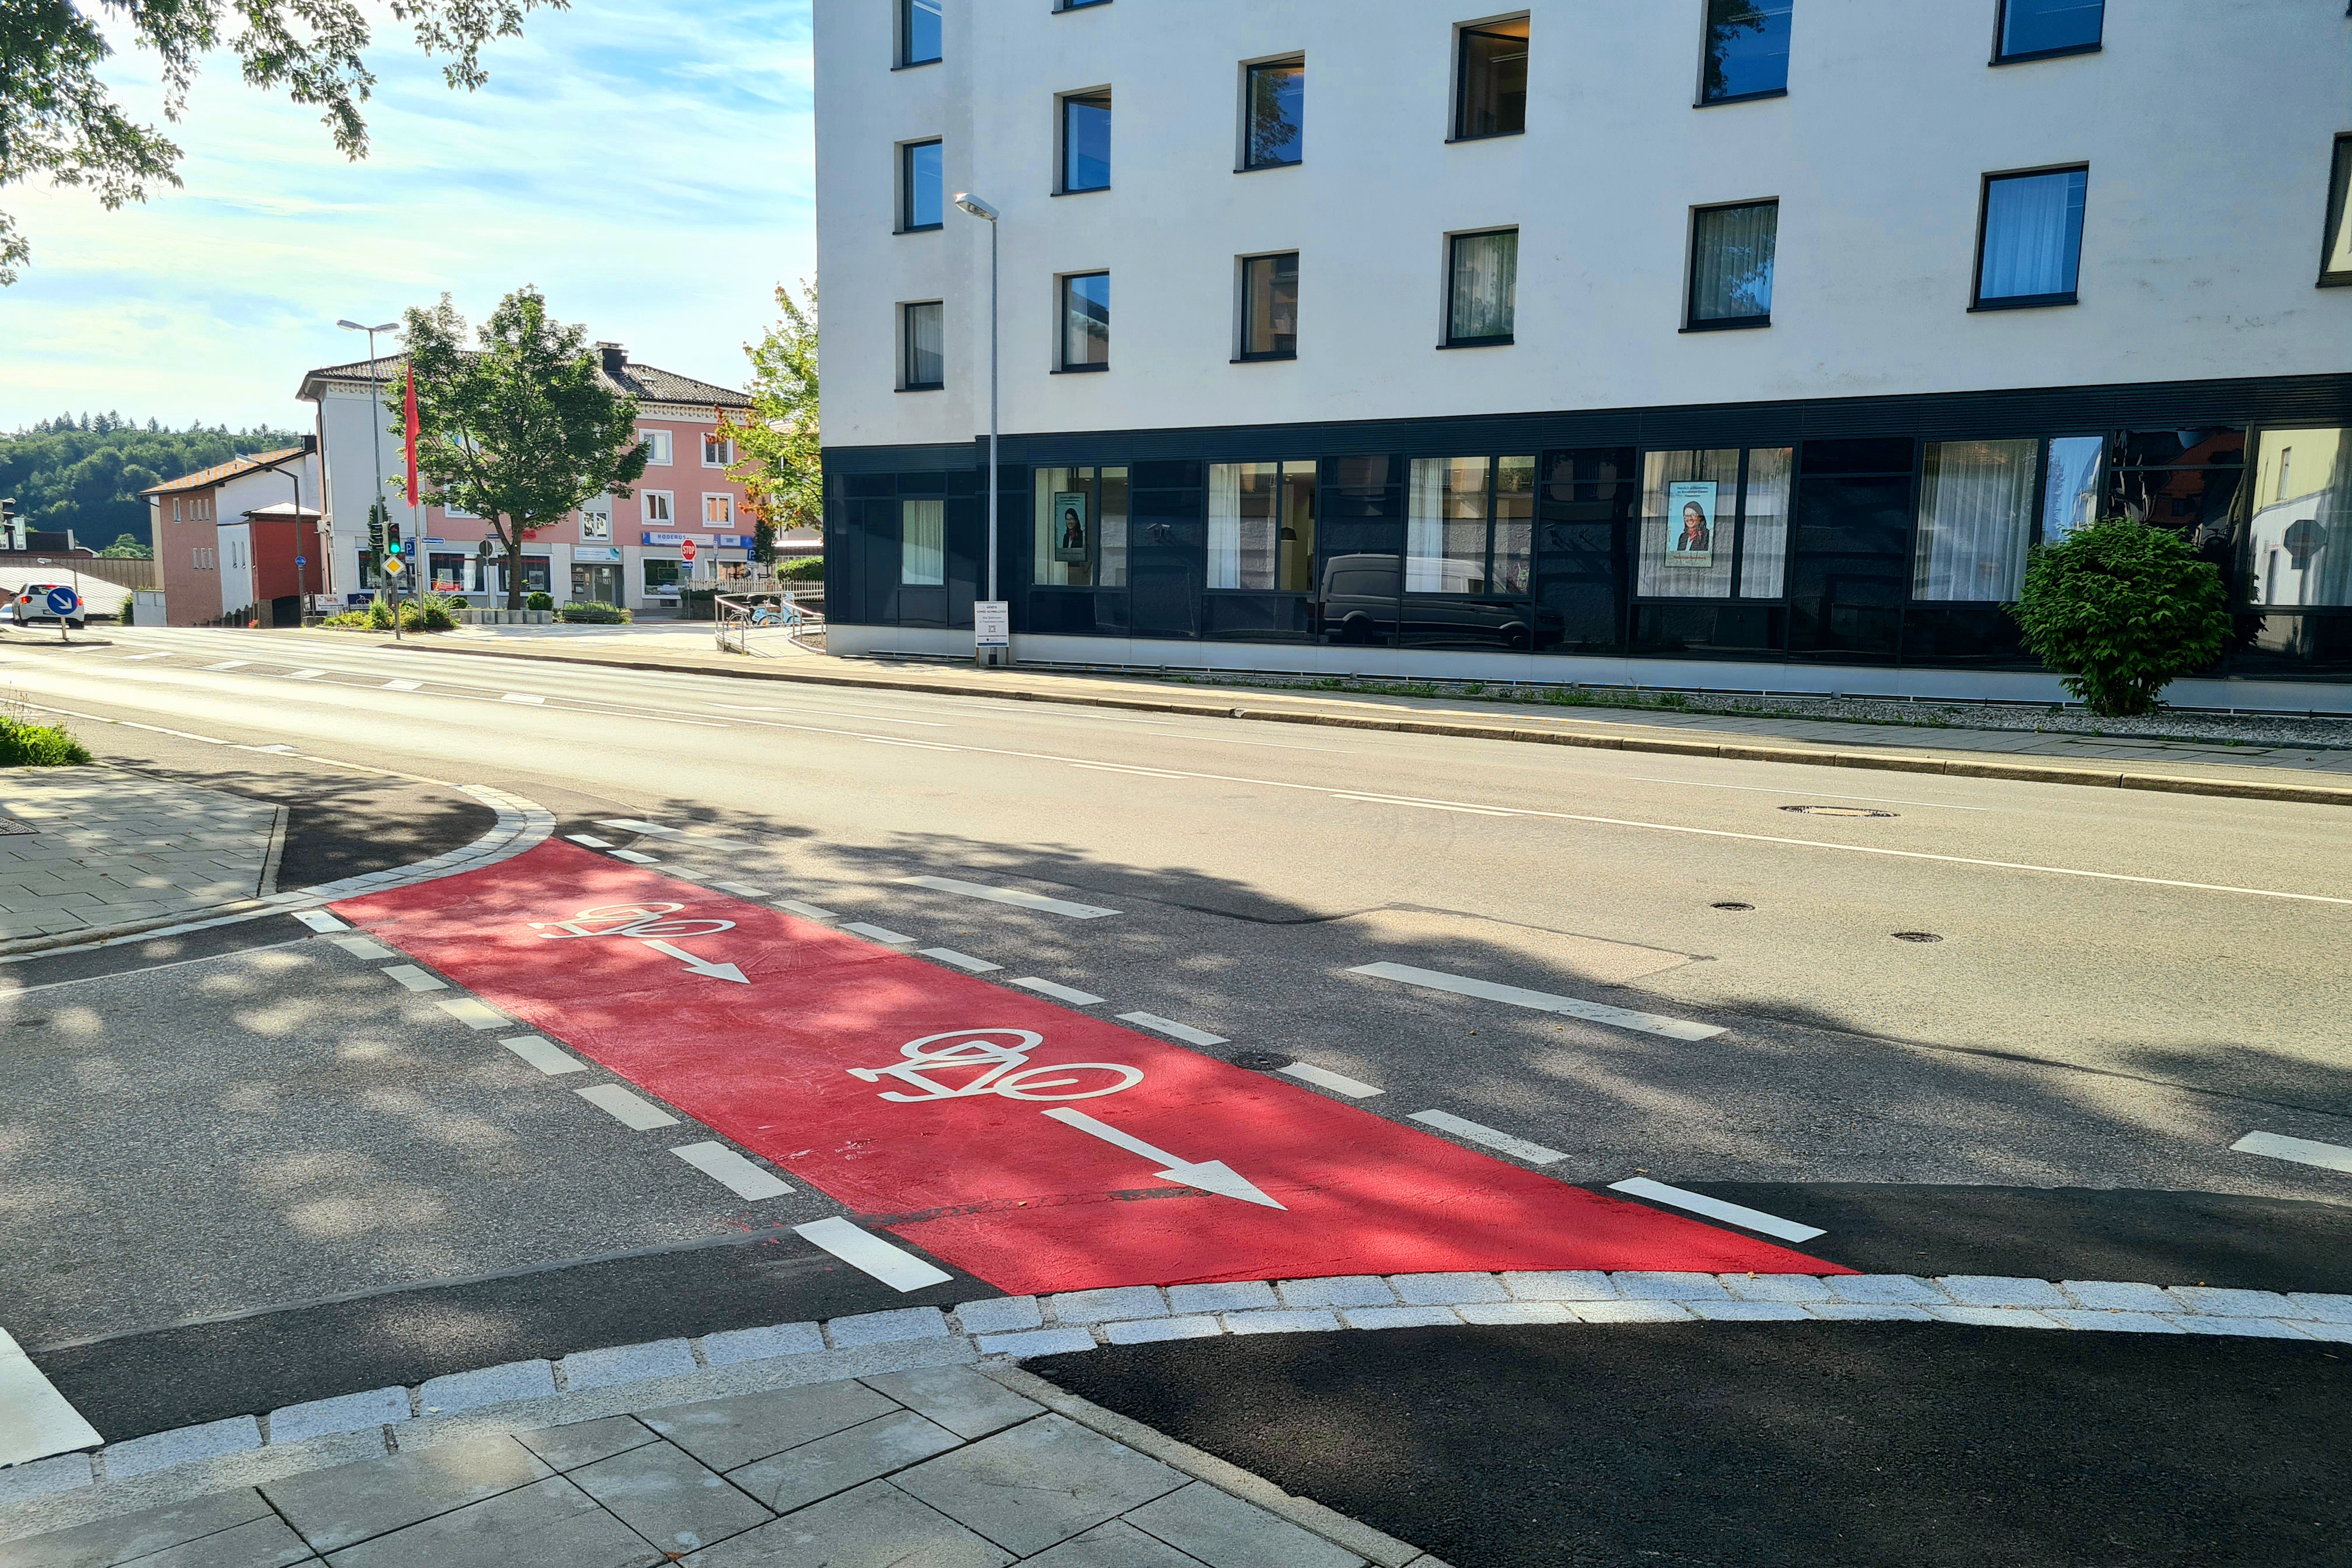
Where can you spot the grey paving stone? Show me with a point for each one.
(627, 1363)
(1992, 1317)
(1106, 1306)
(1399, 1317)
(1559, 1284)
(1774, 1287)
(663, 1495)
(1237, 1296)
(958, 1398)
(144, 1456)
(349, 1503)
(1630, 1311)
(1887, 1289)
(1118, 1544)
(127, 1536)
(1996, 1290)
(726, 1434)
(1868, 1313)
(1223, 1531)
(1446, 1289)
(44, 1477)
(489, 1386)
(1038, 1484)
(1036, 1342)
(1149, 1330)
(2238, 1328)
(344, 1413)
(2118, 1295)
(548, 1524)
(264, 1543)
(2115, 1323)
(876, 1526)
(799, 1477)
(889, 1327)
(1001, 1315)
(2328, 1308)
(1648, 1285)
(734, 1346)
(1336, 1290)
(2232, 1303)
(1748, 1312)
(581, 1443)
(1501, 1314)
(1279, 1321)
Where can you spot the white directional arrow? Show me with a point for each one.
(700, 965)
(1209, 1175)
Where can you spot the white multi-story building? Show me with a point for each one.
(1709, 342)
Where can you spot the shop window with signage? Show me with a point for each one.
(1081, 527)
(662, 576)
(1713, 524)
(371, 575)
(1262, 526)
(455, 573)
(922, 543)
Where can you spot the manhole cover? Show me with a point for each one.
(1260, 1061)
(1836, 810)
(1732, 904)
(1916, 936)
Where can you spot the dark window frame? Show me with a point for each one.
(1062, 363)
(1493, 461)
(1453, 276)
(1245, 355)
(1690, 322)
(2001, 30)
(1977, 300)
(2339, 195)
(1737, 597)
(907, 150)
(1062, 103)
(906, 382)
(1700, 99)
(1250, 164)
(1061, 6)
(1283, 467)
(906, 58)
(1462, 36)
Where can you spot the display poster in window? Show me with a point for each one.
(1070, 526)
(1690, 524)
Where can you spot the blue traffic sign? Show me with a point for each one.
(301, 561)
(64, 601)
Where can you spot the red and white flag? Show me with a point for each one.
(409, 410)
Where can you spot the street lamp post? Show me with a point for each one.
(993, 621)
(375, 443)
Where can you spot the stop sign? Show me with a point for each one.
(2302, 541)
(686, 550)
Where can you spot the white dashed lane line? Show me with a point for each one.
(320, 921)
(1425, 804)
(638, 1115)
(960, 960)
(364, 947)
(1518, 1148)
(1074, 998)
(1540, 1000)
(1174, 1030)
(415, 979)
(742, 890)
(634, 858)
(806, 911)
(473, 1015)
(732, 1170)
(1013, 895)
(305, 674)
(901, 1271)
(230, 664)
(1716, 1208)
(403, 685)
(2302, 1151)
(543, 1055)
(1139, 772)
(878, 933)
(531, 698)
(1337, 1083)
(589, 840)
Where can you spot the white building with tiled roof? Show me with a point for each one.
(628, 552)
(213, 560)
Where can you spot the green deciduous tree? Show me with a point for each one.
(522, 431)
(57, 118)
(84, 473)
(2121, 609)
(126, 547)
(777, 450)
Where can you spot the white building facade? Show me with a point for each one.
(1734, 344)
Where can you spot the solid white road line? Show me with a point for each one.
(806, 911)
(305, 674)
(1174, 1030)
(1013, 895)
(230, 664)
(542, 1055)
(742, 890)
(415, 979)
(2302, 1151)
(590, 839)
(35, 1419)
(320, 920)
(364, 947)
(1541, 1001)
(732, 1170)
(1518, 1148)
(532, 698)
(960, 960)
(1424, 805)
(634, 858)
(1815, 793)
(638, 1115)
(1337, 1083)
(1059, 992)
(632, 824)
(894, 741)
(878, 933)
(403, 685)
(1139, 772)
(900, 1271)
(1716, 1208)
(473, 1015)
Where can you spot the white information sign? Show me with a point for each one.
(992, 624)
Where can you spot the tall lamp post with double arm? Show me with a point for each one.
(375, 445)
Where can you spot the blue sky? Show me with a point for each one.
(651, 170)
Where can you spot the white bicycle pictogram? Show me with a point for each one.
(992, 1066)
(644, 921)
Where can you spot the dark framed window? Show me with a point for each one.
(2335, 247)
(1470, 525)
(1275, 135)
(1262, 527)
(2044, 29)
(919, 32)
(2030, 238)
(1731, 264)
(1086, 141)
(1482, 288)
(923, 331)
(1747, 50)
(1078, 5)
(1490, 94)
(923, 189)
(1085, 322)
(1270, 306)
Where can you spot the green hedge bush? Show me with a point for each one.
(24, 745)
(807, 569)
(539, 599)
(592, 613)
(2121, 609)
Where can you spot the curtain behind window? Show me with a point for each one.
(1224, 525)
(1976, 516)
(922, 542)
(1654, 578)
(2033, 235)
(926, 340)
(1485, 284)
(1731, 269)
(1764, 522)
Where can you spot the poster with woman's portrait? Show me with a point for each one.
(1070, 523)
(1690, 522)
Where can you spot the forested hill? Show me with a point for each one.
(86, 473)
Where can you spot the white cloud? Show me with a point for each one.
(651, 172)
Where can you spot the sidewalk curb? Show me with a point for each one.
(1915, 763)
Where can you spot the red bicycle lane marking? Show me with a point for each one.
(987, 1183)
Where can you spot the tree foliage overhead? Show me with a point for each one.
(2121, 610)
(57, 118)
(778, 453)
(519, 431)
(85, 474)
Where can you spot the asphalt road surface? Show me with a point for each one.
(236, 1156)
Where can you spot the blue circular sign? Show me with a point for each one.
(64, 601)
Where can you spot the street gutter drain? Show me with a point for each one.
(1916, 936)
(1731, 904)
(1260, 1061)
(1838, 811)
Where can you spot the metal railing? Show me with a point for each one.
(736, 618)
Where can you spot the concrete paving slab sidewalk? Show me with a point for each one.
(91, 848)
(945, 1466)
